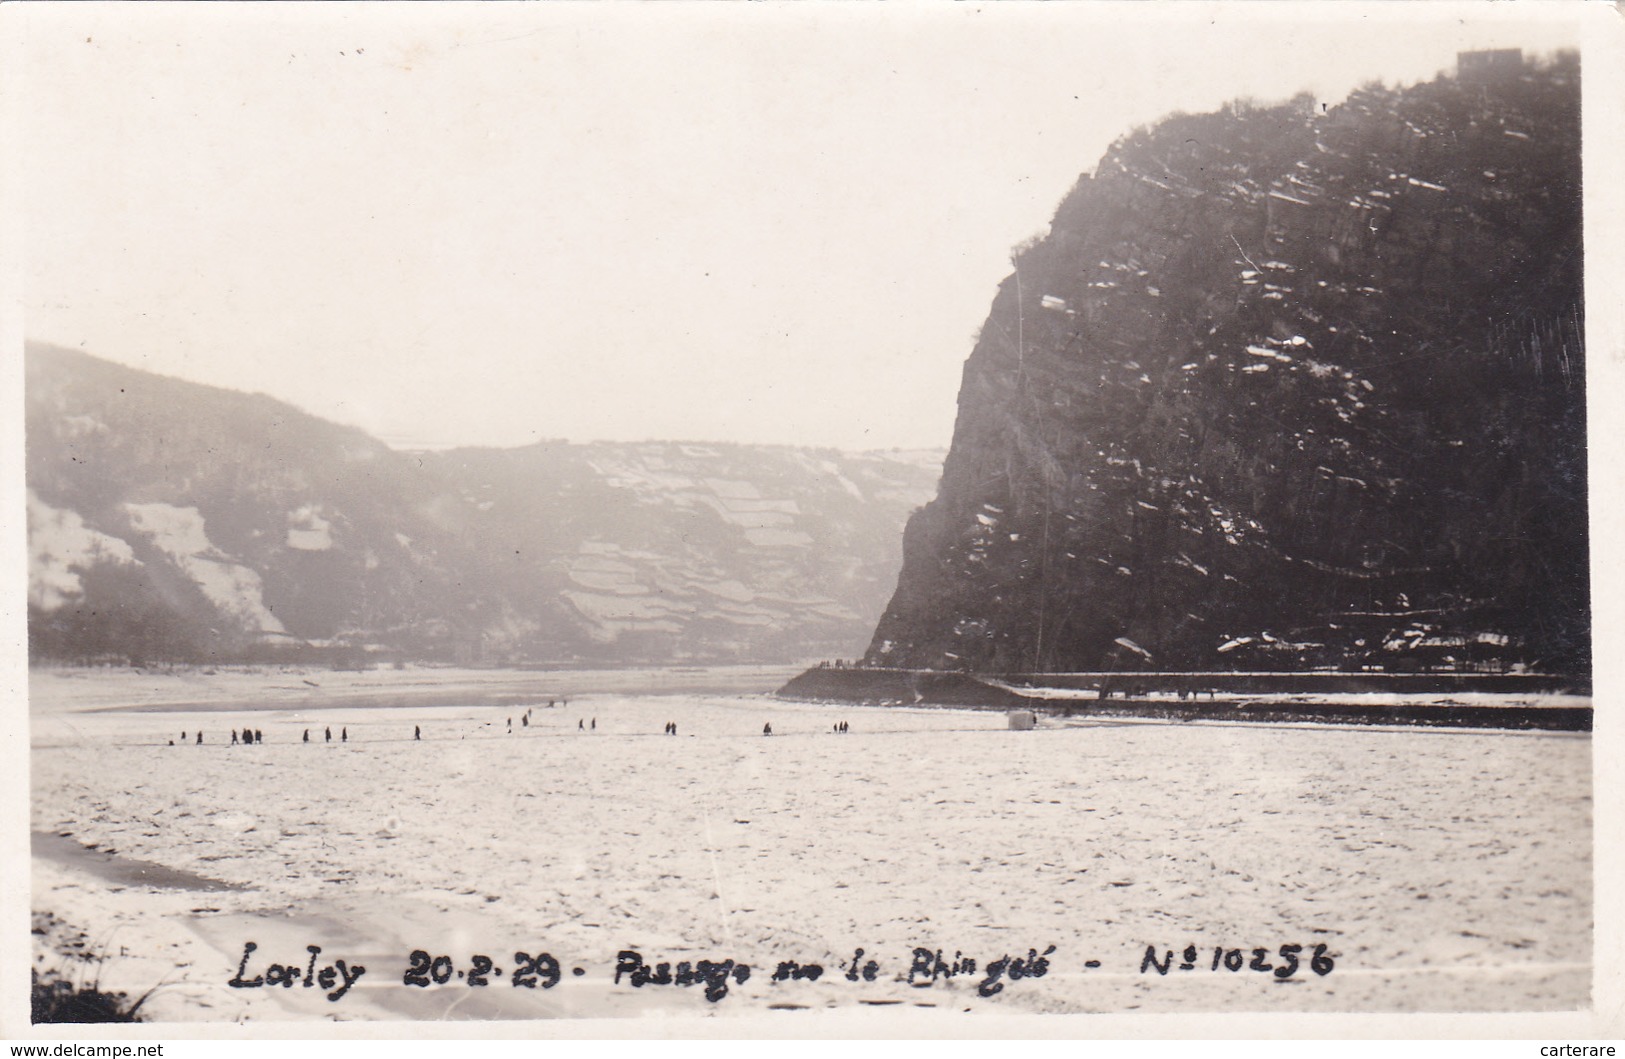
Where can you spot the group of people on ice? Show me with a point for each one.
(252, 736)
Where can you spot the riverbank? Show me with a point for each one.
(1514, 701)
(70, 689)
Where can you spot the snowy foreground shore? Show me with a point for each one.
(1442, 870)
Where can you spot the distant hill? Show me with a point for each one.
(173, 521)
(1281, 388)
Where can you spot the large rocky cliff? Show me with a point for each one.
(171, 521)
(1282, 387)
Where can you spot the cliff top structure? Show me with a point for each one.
(1483, 65)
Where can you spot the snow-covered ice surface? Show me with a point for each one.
(1445, 870)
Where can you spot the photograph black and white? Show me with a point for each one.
(782, 513)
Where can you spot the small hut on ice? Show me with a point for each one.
(1022, 720)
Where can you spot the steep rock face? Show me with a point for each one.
(1280, 389)
(169, 520)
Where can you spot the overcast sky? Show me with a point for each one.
(475, 224)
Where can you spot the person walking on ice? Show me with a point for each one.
(417, 732)
(767, 729)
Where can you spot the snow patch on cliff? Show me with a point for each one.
(60, 545)
(179, 533)
(308, 531)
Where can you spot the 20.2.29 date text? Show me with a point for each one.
(529, 972)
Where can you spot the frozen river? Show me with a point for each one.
(1432, 870)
